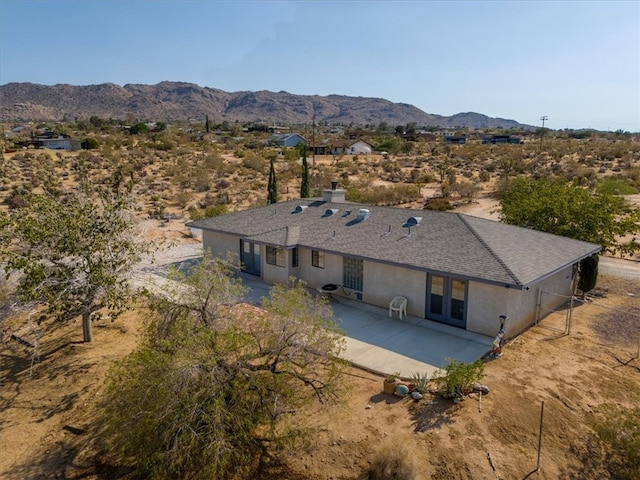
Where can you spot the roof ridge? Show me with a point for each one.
(489, 249)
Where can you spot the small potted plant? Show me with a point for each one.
(390, 381)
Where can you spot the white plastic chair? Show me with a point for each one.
(398, 304)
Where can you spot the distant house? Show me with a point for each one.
(454, 139)
(452, 268)
(343, 147)
(52, 141)
(60, 142)
(287, 139)
(359, 147)
(501, 139)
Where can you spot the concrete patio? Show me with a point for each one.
(386, 345)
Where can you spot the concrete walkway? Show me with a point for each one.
(386, 345)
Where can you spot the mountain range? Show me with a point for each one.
(180, 101)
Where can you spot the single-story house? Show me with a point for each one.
(501, 139)
(454, 139)
(59, 143)
(287, 140)
(452, 268)
(343, 147)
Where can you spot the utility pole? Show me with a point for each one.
(313, 137)
(543, 118)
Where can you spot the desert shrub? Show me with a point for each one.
(255, 162)
(619, 430)
(616, 186)
(200, 180)
(392, 462)
(163, 145)
(90, 143)
(290, 154)
(485, 176)
(381, 195)
(223, 184)
(183, 198)
(438, 204)
(17, 198)
(208, 212)
(458, 378)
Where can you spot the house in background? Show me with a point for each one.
(50, 140)
(60, 142)
(343, 147)
(456, 269)
(450, 139)
(287, 140)
(501, 139)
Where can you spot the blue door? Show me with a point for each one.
(250, 255)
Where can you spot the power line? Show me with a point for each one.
(544, 119)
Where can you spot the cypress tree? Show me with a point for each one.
(272, 185)
(588, 274)
(304, 187)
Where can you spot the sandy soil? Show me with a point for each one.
(49, 381)
(47, 404)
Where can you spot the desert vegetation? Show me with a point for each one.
(216, 388)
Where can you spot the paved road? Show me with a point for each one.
(620, 267)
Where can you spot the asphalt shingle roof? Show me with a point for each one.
(443, 242)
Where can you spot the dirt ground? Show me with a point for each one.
(50, 381)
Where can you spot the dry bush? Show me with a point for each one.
(394, 461)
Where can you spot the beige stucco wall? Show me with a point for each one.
(316, 277)
(274, 273)
(221, 244)
(488, 302)
(382, 282)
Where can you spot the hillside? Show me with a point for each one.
(179, 101)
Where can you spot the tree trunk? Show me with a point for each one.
(87, 328)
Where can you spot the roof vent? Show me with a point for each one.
(363, 214)
(330, 212)
(413, 221)
(300, 208)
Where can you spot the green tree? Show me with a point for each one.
(272, 185)
(554, 206)
(218, 377)
(139, 127)
(74, 254)
(304, 186)
(90, 143)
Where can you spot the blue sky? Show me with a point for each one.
(576, 62)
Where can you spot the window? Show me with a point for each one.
(437, 294)
(275, 256)
(294, 257)
(352, 273)
(317, 259)
(458, 294)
